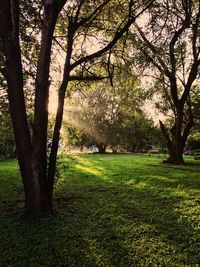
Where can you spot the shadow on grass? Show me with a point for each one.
(142, 219)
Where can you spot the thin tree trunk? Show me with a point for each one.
(55, 140)
(60, 108)
(133, 147)
(102, 148)
(41, 106)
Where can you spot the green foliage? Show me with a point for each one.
(163, 41)
(110, 115)
(194, 140)
(29, 30)
(7, 144)
(112, 210)
(195, 99)
(77, 138)
(137, 133)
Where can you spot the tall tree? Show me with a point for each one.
(111, 115)
(169, 41)
(77, 21)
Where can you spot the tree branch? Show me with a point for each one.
(175, 37)
(155, 51)
(93, 14)
(87, 78)
(116, 37)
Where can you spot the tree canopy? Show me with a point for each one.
(32, 36)
(169, 43)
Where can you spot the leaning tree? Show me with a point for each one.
(169, 42)
(83, 31)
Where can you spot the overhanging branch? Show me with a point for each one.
(115, 39)
(87, 78)
(155, 52)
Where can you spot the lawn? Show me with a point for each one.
(110, 210)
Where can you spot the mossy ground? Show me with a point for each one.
(110, 210)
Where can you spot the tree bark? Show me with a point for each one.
(35, 198)
(5, 18)
(32, 157)
(72, 27)
(175, 152)
(176, 143)
(55, 140)
(41, 105)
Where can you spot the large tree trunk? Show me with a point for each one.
(37, 200)
(31, 157)
(178, 135)
(175, 149)
(40, 198)
(177, 142)
(14, 76)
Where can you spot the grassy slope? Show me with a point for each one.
(112, 210)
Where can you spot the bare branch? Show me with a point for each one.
(177, 34)
(162, 67)
(93, 14)
(115, 39)
(78, 10)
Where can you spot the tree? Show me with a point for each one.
(137, 132)
(169, 42)
(77, 20)
(92, 112)
(111, 115)
(193, 141)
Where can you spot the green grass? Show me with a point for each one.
(111, 210)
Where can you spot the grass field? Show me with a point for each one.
(111, 210)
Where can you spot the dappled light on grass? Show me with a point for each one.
(110, 210)
(88, 170)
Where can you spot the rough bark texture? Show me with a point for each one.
(176, 141)
(31, 156)
(5, 18)
(41, 106)
(14, 77)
